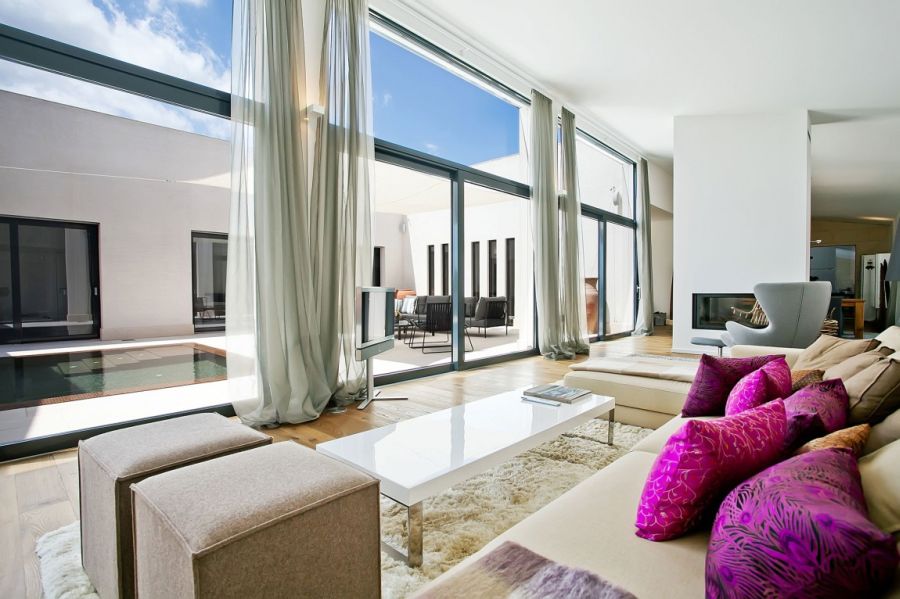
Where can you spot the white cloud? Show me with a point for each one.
(157, 41)
(386, 99)
(432, 148)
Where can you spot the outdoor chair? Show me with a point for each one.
(438, 319)
(490, 312)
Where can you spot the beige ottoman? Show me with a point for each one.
(276, 521)
(107, 466)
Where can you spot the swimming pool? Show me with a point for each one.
(54, 378)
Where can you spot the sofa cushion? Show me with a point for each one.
(814, 411)
(881, 486)
(852, 438)
(701, 462)
(799, 529)
(772, 381)
(875, 391)
(656, 396)
(828, 351)
(714, 380)
(591, 527)
(883, 433)
(655, 441)
(890, 337)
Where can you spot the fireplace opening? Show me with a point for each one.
(712, 310)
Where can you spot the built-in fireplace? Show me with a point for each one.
(712, 310)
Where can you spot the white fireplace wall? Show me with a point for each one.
(741, 208)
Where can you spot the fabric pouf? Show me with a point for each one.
(108, 464)
(276, 521)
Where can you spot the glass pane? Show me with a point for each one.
(190, 40)
(500, 321)
(55, 289)
(604, 181)
(620, 279)
(6, 306)
(45, 85)
(590, 244)
(420, 104)
(210, 265)
(412, 228)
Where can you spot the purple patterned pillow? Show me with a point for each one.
(799, 529)
(816, 410)
(772, 381)
(714, 379)
(701, 462)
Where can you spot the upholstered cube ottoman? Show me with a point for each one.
(107, 466)
(276, 521)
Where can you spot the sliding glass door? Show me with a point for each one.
(49, 286)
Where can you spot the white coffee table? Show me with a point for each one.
(421, 457)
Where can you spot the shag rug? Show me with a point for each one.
(457, 522)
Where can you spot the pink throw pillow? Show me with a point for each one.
(701, 462)
(772, 381)
(714, 379)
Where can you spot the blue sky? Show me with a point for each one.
(422, 106)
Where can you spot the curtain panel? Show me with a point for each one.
(572, 300)
(644, 322)
(295, 256)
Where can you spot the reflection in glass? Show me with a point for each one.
(210, 255)
(55, 281)
(620, 280)
(604, 180)
(590, 240)
(6, 290)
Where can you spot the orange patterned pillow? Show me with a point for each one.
(853, 438)
(802, 378)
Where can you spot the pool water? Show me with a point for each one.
(53, 378)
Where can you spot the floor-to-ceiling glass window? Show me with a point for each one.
(209, 253)
(502, 320)
(413, 229)
(606, 187)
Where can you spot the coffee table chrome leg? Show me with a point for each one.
(414, 535)
(611, 427)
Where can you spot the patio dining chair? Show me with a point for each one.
(438, 319)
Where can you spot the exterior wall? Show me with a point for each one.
(741, 207)
(147, 187)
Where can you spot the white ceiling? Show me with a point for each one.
(636, 65)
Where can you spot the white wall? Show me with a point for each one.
(661, 246)
(741, 207)
(147, 187)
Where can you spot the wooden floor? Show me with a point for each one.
(40, 494)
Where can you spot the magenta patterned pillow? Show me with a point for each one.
(772, 381)
(714, 379)
(701, 462)
(799, 529)
(816, 410)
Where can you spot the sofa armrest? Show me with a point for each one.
(746, 351)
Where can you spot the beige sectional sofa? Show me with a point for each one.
(592, 525)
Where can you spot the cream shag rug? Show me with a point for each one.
(458, 522)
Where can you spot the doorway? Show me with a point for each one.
(49, 280)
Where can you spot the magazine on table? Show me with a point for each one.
(556, 393)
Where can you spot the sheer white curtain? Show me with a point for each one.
(644, 323)
(572, 300)
(296, 257)
(342, 205)
(545, 220)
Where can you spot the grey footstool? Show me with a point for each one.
(709, 342)
(276, 521)
(107, 466)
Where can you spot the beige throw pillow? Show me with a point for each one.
(881, 486)
(874, 392)
(827, 351)
(883, 433)
(856, 364)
